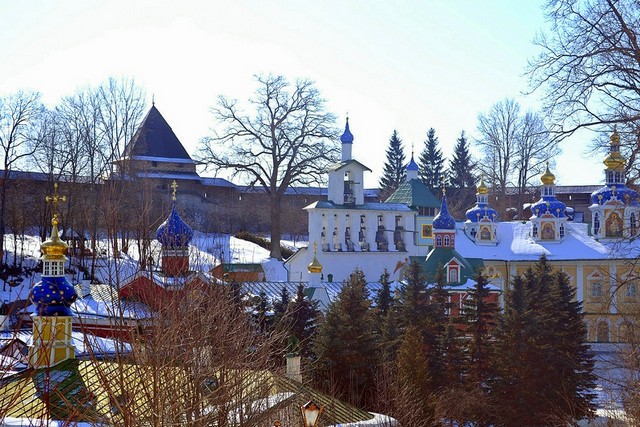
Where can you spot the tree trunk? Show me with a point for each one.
(275, 226)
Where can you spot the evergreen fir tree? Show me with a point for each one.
(383, 298)
(303, 314)
(387, 319)
(431, 163)
(480, 315)
(544, 368)
(261, 312)
(413, 307)
(394, 172)
(414, 379)
(461, 177)
(346, 344)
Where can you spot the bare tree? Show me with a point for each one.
(19, 119)
(286, 139)
(515, 147)
(589, 67)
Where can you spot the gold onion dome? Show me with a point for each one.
(54, 247)
(614, 160)
(315, 266)
(482, 187)
(547, 177)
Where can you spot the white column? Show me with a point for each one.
(579, 282)
(613, 283)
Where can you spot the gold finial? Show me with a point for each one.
(55, 199)
(482, 187)
(315, 266)
(54, 247)
(547, 177)
(615, 137)
(174, 186)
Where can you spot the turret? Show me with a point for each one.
(481, 224)
(174, 235)
(52, 297)
(347, 142)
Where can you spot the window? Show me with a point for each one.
(154, 164)
(473, 232)
(632, 224)
(596, 289)
(438, 240)
(534, 232)
(446, 241)
(596, 223)
(602, 332)
(561, 230)
(631, 291)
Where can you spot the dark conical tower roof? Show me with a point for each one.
(154, 138)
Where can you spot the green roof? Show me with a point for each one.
(414, 194)
(439, 257)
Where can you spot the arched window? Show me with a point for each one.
(438, 240)
(561, 230)
(632, 224)
(473, 232)
(534, 232)
(446, 241)
(602, 332)
(453, 275)
(625, 332)
(596, 223)
(596, 289)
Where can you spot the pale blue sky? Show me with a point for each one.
(405, 65)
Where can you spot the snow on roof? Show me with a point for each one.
(515, 244)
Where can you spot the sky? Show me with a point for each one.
(403, 65)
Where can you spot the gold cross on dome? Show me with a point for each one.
(174, 186)
(55, 199)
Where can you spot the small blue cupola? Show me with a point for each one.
(444, 226)
(548, 219)
(412, 169)
(174, 233)
(347, 142)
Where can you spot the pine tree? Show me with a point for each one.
(431, 163)
(383, 298)
(346, 344)
(394, 172)
(261, 312)
(461, 179)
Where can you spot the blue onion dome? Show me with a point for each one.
(347, 137)
(174, 232)
(444, 220)
(618, 191)
(549, 205)
(481, 211)
(412, 166)
(53, 296)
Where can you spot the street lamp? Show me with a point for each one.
(311, 414)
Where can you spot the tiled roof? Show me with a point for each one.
(154, 138)
(414, 194)
(92, 391)
(439, 257)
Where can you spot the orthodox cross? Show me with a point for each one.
(55, 199)
(174, 186)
